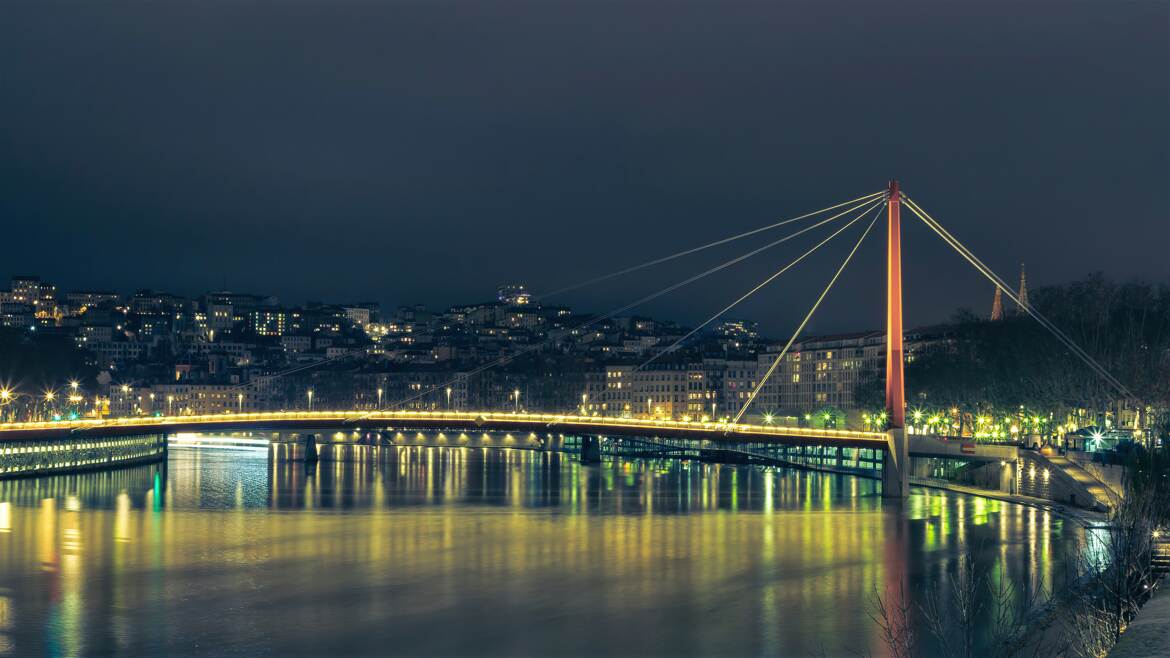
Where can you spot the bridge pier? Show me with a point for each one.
(590, 449)
(310, 444)
(896, 465)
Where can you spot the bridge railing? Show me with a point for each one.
(354, 417)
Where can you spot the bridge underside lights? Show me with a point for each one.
(67, 454)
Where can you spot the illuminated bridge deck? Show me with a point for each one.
(441, 420)
(71, 445)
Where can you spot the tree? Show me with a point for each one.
(33, 361)
(986, 366)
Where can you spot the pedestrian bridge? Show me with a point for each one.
(440, 420)
(67, 445)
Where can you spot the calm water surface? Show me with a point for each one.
(470, 551)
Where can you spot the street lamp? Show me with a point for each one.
(170, 403)
(584, 400)
(240, 402)
(380, 398)
(649, 407)
(516, 395)
(310, 399)
(49, 396)
(74, 384)
(448, 398)
(5, 398)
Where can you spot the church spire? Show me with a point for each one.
(997, 306)
(1023, 299)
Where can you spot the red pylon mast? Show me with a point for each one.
(895, 389)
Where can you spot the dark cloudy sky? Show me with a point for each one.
(427, 151)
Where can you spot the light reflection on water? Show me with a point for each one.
(469, 551)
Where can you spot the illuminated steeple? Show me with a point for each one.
(1023, 289)
(997, 306)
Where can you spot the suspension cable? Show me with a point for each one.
(687, 252)
(290, 371)
(996, 280)
(982, 268)
(861, 201)
(780, 357)
(854, 204)
(999, 283)
(868, 205)
(756, 289)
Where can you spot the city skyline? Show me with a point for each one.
(993, 302)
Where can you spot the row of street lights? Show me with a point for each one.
(381, 392)
(47, 400)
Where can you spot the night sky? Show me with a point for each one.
(425, 152)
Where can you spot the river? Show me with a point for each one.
(472, 551)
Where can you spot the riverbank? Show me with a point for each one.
(1149, 633)
(1085, 517)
